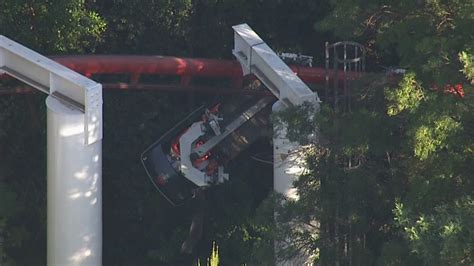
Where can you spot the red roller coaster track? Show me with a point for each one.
(164, 73)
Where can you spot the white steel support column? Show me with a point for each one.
(285, 167)
(74, 220)
(257, 58)
(288, 166)
(74, 154)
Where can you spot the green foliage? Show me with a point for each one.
(442, 237)
(406, 97)
(298, 125)
(416, 160)
(7, 211)
(435, 212)
(145, 27)
(239, 217)
(203, 28)
(345, 198)
(432, 158)
(22, 182)
(468, 65)
(131, 122)
(52, 26)
(425, 36)
(419, 153)
(214, 259)
(430, 138)
(412, 142)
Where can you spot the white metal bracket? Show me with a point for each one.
(42, 73)
(256, 57)
(185, 145)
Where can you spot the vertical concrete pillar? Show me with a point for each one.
(74, 176)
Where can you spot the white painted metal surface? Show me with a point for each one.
(74, 222)
(259, 59)
(186, 143)
(288, 166)
(54, 79)
(74, 153)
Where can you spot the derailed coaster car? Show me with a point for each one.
(193, 153)
(163, 170)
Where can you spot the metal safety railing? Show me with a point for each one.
(344, 63)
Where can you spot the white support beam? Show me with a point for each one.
(54, 79)
(74, 154)
(288, 166)
(74, 202)
(258, 58)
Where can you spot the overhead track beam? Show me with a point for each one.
(56, 80)
(74, 154)
(257, 58)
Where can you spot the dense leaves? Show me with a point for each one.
(52, 26)
(388, 183)
(405, 147)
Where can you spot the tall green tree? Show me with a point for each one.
(145, 27)
(55, 26)
(392, 181)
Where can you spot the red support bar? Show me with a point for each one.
(167, 65)
(164, 65)
(185, 68)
